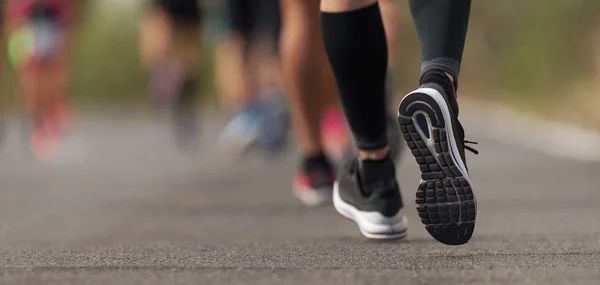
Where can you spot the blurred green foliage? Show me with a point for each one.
(528, 49)
(107, 66)
(105, 60)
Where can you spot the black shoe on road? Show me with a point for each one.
(378, 212)
(446, 204)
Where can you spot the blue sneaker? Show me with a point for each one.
(262, 124)
(275, 123)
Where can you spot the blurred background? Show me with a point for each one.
(540, 59)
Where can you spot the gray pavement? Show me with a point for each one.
(121, 205)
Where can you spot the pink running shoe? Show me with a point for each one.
(44, 140)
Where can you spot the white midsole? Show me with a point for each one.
(439, 99)
(371, 224)
(456, 158)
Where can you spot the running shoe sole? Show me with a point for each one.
(445, 200)
(373, 225)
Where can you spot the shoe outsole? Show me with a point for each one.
(372, 225)
(445, 200)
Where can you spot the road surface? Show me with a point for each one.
(121, 205)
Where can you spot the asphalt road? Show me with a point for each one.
(121, 205)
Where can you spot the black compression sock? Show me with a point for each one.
(356, 46)
(376, 173)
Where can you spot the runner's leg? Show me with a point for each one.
(238, 84)
(356, 45)
(305, 70)
(366, 190)
(309, 84)
(428, 118)
(171, 42)
(259, 118)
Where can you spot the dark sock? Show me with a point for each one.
(376, 174)
(442, 28)
(357, 50)
(319, 161)
(439, 77)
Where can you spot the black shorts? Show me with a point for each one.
(181, 10)
(253, 18)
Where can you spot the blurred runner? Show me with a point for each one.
(249, 82)
(170, 36)
(311, 90)
(39, 36)
(320, 125)
(258, 116)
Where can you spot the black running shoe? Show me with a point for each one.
(379, 215)
(445, 201)
(314, 186)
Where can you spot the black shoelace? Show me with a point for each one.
(469, 148)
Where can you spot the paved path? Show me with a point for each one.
(120, 205)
